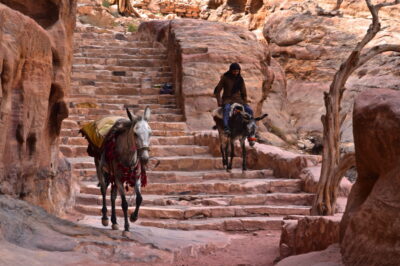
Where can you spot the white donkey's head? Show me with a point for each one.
(141, 132)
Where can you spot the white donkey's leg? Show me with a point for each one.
(103, 189)
(134, 215)
(124, 202)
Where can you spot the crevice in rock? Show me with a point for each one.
(58, 110)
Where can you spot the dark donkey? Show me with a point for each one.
(122, 161)
(242, 126)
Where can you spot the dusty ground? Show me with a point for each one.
(258, 248)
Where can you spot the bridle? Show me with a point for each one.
(145, 148)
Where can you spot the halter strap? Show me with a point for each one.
(144, 149)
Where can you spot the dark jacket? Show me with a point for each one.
(229, 96)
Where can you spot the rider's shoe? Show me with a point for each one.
(227, 132)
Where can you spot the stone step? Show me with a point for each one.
(75, 133)
(229, 224)
(73, 141)
(196, 176)
(121, 89)
(184, 212)
(119, 55)
(119, 50)
(182, 140)
(133, 99)
(89, 174)
(173, 163)
(98, 113)
(222, 224)
(156, 150)
(137, 70)
(238, 186)
(169, 140)
(126, 72)
(83, 42)
(278, 199)
(121, 62)
(80, 77)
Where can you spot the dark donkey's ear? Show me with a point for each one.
(261, 117)
(131, 116)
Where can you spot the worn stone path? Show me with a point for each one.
(189, 188)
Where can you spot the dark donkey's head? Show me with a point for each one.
(140, 133)
(250, 127)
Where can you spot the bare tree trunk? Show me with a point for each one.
(124, 7)
(338, 4)
(324, 203)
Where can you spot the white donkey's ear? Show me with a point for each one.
(131, 116)
(147, 113)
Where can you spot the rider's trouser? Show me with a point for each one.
(227, 109)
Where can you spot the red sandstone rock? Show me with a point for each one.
(308, 234)
(36, 54)
(370, 228)
(311, 47)
(199, 62)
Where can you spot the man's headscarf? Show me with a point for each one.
(238, 78)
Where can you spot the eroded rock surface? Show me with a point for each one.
(308, 234)
(30, 235)
(370, 228)
(200, 52)
(311, 44)
(35, 56)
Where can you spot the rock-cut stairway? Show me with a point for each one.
(189, 189)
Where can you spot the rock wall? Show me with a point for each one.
(200, 52)
(370, 228)
(35, 66)
(311, 44)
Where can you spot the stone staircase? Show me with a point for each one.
(189, 188)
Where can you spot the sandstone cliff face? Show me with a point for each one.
(200, 52)
(370, 228)
(35, 62)
(310, 45)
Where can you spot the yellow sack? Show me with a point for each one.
(97, 130)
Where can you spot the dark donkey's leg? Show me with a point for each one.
(226, 154)
(231, 143)
(244, 154)
(103, 189)
(124, 202)
(113, 214)
(135, 214)
(223, 155)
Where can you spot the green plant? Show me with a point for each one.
(106, 3)
(132, 28)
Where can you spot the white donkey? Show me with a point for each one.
(122, 161)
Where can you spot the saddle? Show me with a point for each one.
(218, 112)
(96, 132)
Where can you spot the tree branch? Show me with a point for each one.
(395, 2)
(377, 50)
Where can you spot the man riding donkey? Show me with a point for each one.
(236, 120)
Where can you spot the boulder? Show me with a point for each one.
(308, 234)
(370, 228)
(35, 63)
(328, 257)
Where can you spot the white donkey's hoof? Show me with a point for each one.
(115, 227)
(125, 233)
